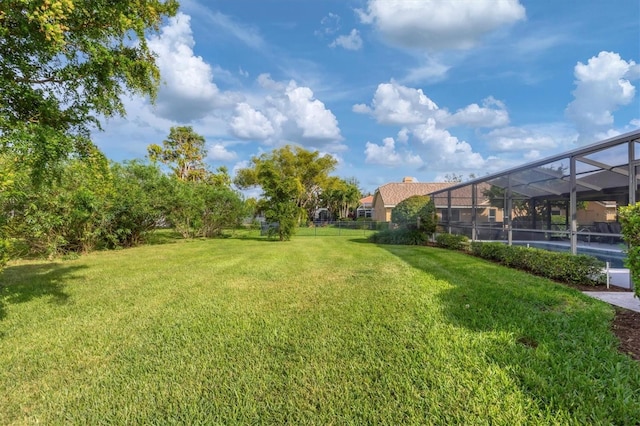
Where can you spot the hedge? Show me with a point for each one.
(404, 236)
(564, 267)
(451, 241)
(630, 221)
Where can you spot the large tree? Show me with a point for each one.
(341, 196)
(306, 174)
(291, 179)
(184, 152)
(63, 63)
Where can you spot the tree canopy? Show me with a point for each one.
(184, 152)
(341, 196)
(417, 211)
(291, 179)
(64, 63)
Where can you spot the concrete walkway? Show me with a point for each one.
(624, 299)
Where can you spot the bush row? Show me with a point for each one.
(564, 267)
(405, 236)
(630, 221)
(96, 205)
(452, 241)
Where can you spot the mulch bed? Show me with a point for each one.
(626, 326)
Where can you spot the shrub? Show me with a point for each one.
(381, 226)
(630, 221)
(491, 251)
(565, 267)
(5, 248)
(405, 236)
(418, 211)
(136, 207)
(452, 242)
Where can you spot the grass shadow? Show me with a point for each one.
(360, 241)
(510, 297)
(554, 341)
(163, 236)
(23, 283)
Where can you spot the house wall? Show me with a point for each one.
(380, 213)
(466, 214)
(596, 212)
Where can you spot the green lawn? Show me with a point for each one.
(315, 330)
(333, 231)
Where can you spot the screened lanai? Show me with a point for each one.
(568, 202)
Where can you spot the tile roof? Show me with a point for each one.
(393, 193)
(367, 200)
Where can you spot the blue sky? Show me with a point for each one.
(391, 88)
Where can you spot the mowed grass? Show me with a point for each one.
(311, 331)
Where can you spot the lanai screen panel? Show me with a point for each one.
(536, 201)
(603, 175)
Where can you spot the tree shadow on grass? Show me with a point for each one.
(554, 342)
(163, 236)
(360, 240)
(23, 283)
(512, 299)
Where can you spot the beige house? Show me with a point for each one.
(389, 195)
(462, 205)
(365, 208)
(597, 211)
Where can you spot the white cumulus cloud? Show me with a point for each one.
(394, 103)
(310, 115)
(248, 123)
(491, 114)
(287, 114)
(218, 152)
(187, 91)
(386, 155)
(602, 85)
(352, 41)
(439, 24)
(441, 150)
(424, 129)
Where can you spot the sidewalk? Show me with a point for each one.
(623, 299)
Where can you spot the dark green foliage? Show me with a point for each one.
(451, 241)
(340, 197)
(419, 211)
(565, 267)
(94, 206)
(61, 217)
(416, 221)
(198, 209)
(405, 236)
(137, 205)
(630, 221)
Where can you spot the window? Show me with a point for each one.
(492, 215)
(455, 215)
